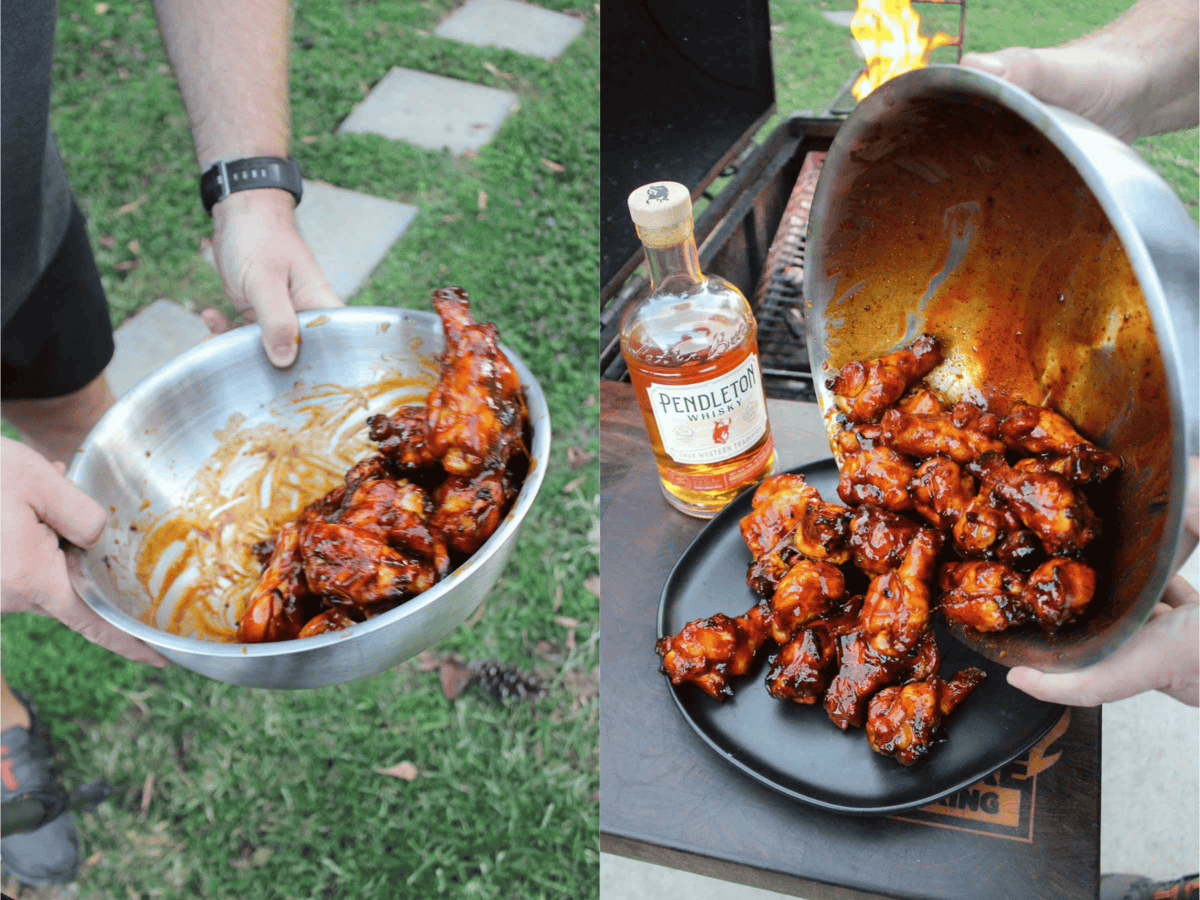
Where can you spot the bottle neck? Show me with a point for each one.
(680, 260)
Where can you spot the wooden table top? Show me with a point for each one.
(1029, 830)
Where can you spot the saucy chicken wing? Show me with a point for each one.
(879, 539)
(708, 652)
(863, 390)
(904, 722)
(986, 596)
(1059, 590)
(282, 602)
(873, 475)
(895, 611)
(402, 437)
(862, 672)
(935, 435)
(942, 491)
(360, 567)
(806, 592)
(804, 666)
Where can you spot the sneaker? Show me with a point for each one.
(51, 854)
(1135, 887)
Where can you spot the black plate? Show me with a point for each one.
(796, 749)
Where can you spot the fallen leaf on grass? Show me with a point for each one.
(107, 241)
(572, 485)
(593, 584)
(553, 166)
(94, 859)
(558, 597)
(309, 139)
(101, 8)
(134, 247)
(454, 678)
(405, 771)
(147, 793)
(577, 457)
(132, 205)
(126, 266)
(495, 71)
(590, 401)
(428, 661)
(481, 200)
(566, 622)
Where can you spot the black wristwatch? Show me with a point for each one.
(225, 178)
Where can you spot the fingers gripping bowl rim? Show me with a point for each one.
(151, 443)
(948, 188)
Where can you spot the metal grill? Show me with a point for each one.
(779, 301)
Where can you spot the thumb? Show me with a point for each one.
(266, 290)
(63, 506)
(1016, 65)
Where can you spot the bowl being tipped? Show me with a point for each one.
(1055, 266)
(140, 459)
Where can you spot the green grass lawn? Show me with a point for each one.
(226, 792)
(814, 58)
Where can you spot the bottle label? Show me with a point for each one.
(714, 420)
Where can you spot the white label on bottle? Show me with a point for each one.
(712, 420)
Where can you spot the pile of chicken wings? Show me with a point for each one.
(438, 487)
(948, 507)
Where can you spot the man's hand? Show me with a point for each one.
(1163, 655)
(267, 267)
(38, 505)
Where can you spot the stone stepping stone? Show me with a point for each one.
(431, 111)
(841, 17)
(512, 26)
(348, 232)
(149, 339)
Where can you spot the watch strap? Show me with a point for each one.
(225, 178)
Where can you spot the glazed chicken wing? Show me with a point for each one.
(360, 567)
(1059, 590)
(1045, 502)
(935, 435)
(708, 652)
(895, 611)
(873, 475)
(282, 602)
(476, 413)
(804, 666)
(863, 390)
(942, 491)
(879, 539)
(806, 592)
(989, 529)
(402, 437)
(986, 596)
(399, 513)
(904, 722)
(470, 509)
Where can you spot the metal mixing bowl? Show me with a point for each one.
(141, 457)
(1056, 266)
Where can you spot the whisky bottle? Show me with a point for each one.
(692, 352)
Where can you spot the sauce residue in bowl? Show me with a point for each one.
(196, 561)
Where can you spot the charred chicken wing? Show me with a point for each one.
(986, 596)
(282, 602)
(935, 435)
(873, 475)
(879, 539)
(360, 567)
(895, 611)
(806, 592)
(1059, 590)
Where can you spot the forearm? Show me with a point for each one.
(231, 60)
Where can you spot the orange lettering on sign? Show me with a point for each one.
(981, 802)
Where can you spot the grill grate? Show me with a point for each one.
(779, 301)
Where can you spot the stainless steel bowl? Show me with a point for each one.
(141, 457)
(1055, 265)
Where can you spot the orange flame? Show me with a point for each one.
(888, 32)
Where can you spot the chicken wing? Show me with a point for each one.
(476, 412)
(402, 437)
(986, 596)
(282, 602)
(905, 722)
(879, 539)
(1059, 590)
(399, 512)
(806, 592)
(1045, 502)
(708, 652)
(804, 666)
(863, 390)
(470, 509)
(941, 491)
(895, 612)
(924, 436)
(360, 567)
(873, 475)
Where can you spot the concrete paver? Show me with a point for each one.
(431, 111)
(512, 26)
(150, 339)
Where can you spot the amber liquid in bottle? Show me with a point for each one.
(692, 353)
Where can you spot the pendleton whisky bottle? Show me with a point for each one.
(692, 352)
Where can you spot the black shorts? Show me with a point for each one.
(61, 337)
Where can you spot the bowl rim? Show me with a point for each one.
(251, 334)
